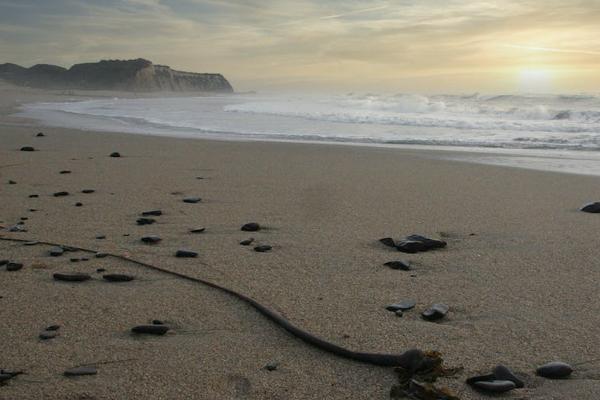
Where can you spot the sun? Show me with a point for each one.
(535, 80)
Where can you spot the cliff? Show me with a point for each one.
(127, 75)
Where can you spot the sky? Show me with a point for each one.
(424, 46)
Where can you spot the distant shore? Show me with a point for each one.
(519, 272)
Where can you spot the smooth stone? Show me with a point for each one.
(101, 255)
(555, 370)
(80, 371)
(247, 242)
(45, 335)
(115, 154)
(410, 246)
(71, 277)
(27, 148)
(151, 239)
(65, 172)
(118, 278)
(435, 312)
(404, 266)
(56, 251)
(53, 328)
(40, 134)
(263, 248)
(150, 329)
(13, 266)
(186, 254)
(34, 196)
(428, 242)
(100, 237)
(145, 221)
(388, 241)
(192, 200)
(495, 386)
(403, 305)
(251, 227)
(78, 204)
(32, 210)
(60, 194)
(271, 366)
(155, 213)
(88, 191)
(197, 230)
(502, 373)
(593, 208)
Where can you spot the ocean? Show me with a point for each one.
(549, 132)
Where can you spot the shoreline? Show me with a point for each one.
(512, 271)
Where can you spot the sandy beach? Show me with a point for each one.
(520, 271)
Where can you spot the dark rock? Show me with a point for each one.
(14, 266)
(263, 248)
(78, 204)
(60, 194)
(101, 255)
(389, 242)
(76, 277)
(429, 243)
(186, 254)
(56, 251)
(192, 200)
(40, 134)
(154, 213)
(24, 218)
(197, 230)
(32, 210)
(555, 370)
(251, 227)
(593, 208)
(45, 335)
(100, 237)
(404, 266)
(118, 278)
(151, 239)
(65, 172)
(100, 270)
(150, 329)
(115, 154)
(435, 312)
(81, 371)
(272, 366)
(502, 373)
(157, 322)
(88, 191)
(53, 328)
(145, 221)
(74, 259)
(11, 182)
(495, 386)
(27, 148)
(403, 305)
(34, 196)
(247, 242)
(410, 246)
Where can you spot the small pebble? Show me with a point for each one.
(80, 371)
(101, 255)
(115, 154)
(150, 329)
(145, 221)
(27, 148)
(197, 230)
(40, 134)
(78, 204)
(157, 322)
(555, 370)
(100, 237)
(247, 242)
(34, 196)
(435, 312)
(388, 242)
(403, 305)
(3, 262)
(56, 251)
(151, 239)
(14, 266)
(250, 227)
(74, 259)
(88, 191)
(401, 265)
(71, 277)
(263, 248)
(100, 270)
(65, 172)
(192, 200)
(60, 194)
(155, 213)
(53, 328)
(11, 182)
(118, 278)
(45, 335)
(186, 254)
(272, 366)
(495, 386)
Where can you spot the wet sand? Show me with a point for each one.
(520, 272)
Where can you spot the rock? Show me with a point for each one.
(80, 371)
(14, 266)
(32, 210)
(100, 270)
(389, 242)
(56, 251)
(410, 246)
(151, 239)
(192, 200)
(65, 172)
(555, 370)
(404, 266)
(251, 227)
(186, 254)
(34, 196)
(11, 182)
(53, 328)
(74, 259)
(60, 194)
(593, 208)
(247, 242)
(40, 134)
(45, 335)
(115, 154)
(402, 306)
(154, 213)
(263, 248)
(429, 243)
(101, 237)
(27, 148)
(157, 322)
(145, 221)
(197, 230)
(150, 329)
(101, 255)
(435, 312)
(272, 366)
(502, 373)
(76, 277)
(88, 191)
(495, 386)
(78, 204)
(118, 278)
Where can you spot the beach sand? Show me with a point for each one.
(520, 272)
